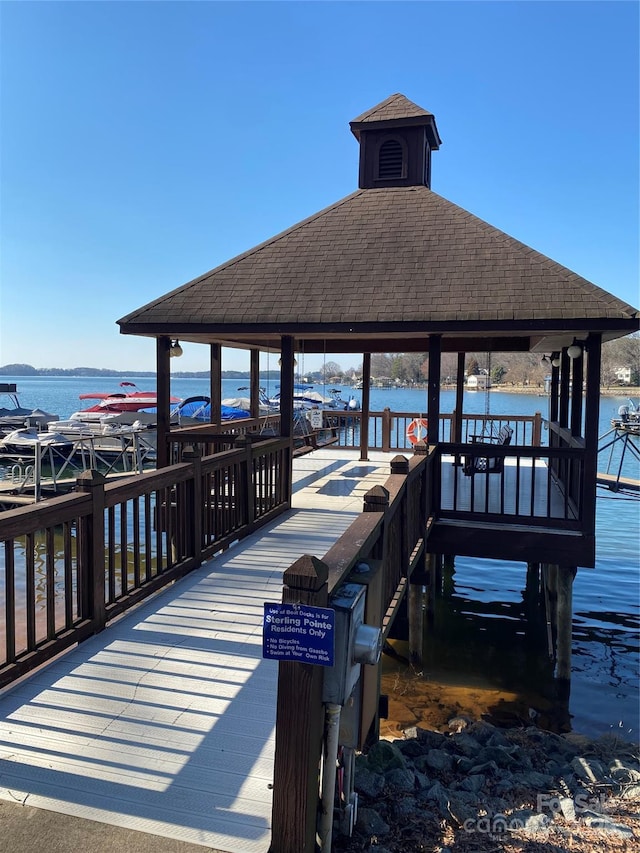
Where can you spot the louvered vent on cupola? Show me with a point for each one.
(391, 160)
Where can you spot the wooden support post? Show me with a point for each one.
(387, 420)
(399, 464)
(551, 599)
(416, 622)
(439, 563)
(286, 387)
(457, 436)
(591, 430)
(192, 518)
(377, 500)
(532, 582)
(215, 382)
(246, 491)
(563, 403)
(432, 587)
(254, 383)
(555, 384)
(577, 381)
(564, 588)
(448, 571)
(536, 437)
(433, 391)
(366, 406)
(286, 405)
(91, 577)
(163, 394)
(299, 726)
(532, 601)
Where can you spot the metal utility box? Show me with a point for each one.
(355, 643)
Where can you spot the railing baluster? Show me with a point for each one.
(30, 590)
(162, 512)
(124, 550)
(10, 600)
(111, 567)
(533, 486)
(50, 569)
(148, 557)
(136, 541)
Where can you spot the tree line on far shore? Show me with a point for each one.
(504, 368)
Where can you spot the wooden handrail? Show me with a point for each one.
(139, 533)
(383, 534)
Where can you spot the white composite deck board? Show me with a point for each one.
(164, 722)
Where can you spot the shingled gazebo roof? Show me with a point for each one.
(382, 269)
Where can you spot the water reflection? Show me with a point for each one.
(486, 656)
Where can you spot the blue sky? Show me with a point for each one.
(145, 143)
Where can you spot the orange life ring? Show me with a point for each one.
(417, 430)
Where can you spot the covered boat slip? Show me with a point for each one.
(164, 722)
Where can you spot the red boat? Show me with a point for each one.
(118, 402)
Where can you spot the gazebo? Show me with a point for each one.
(396, 267)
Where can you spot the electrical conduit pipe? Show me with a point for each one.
(332, 719)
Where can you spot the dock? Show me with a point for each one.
(617, 484)
(38, 472)
(164, 722)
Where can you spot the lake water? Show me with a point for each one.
(478, 656)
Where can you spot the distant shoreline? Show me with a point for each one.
(632, 391)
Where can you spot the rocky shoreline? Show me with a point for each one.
(478, 788)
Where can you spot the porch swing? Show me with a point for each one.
(489, 435)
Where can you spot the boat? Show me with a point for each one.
(14, 416)
(25, 440)
(305, 397)
(120, 402)
(197, 409)
(350, 405)
(628, 419)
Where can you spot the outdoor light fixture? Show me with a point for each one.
(575, 350)
(555, 360)
(545, 361)
(295, 362)
(175, 350)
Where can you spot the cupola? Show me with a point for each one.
(396, 140)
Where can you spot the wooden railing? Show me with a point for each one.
(390, 537)
(72, 563)
(388, 431)
(212, 438)
(573, 480)
(536, 486)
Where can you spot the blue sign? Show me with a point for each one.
(297, 632)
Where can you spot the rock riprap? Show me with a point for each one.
(481, 788)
